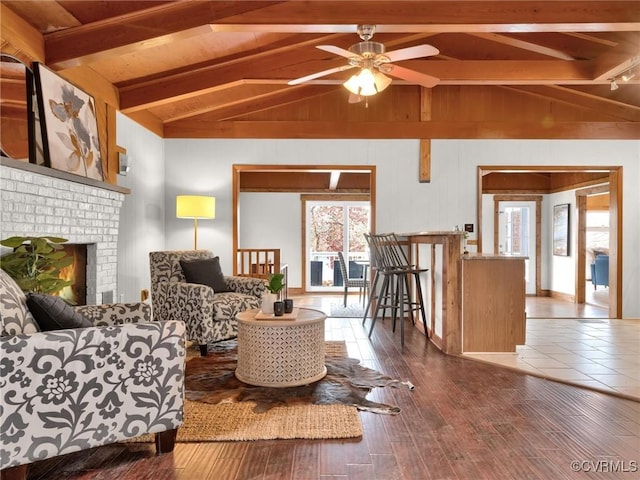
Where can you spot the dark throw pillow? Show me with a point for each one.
(205, 272)
(53, 313)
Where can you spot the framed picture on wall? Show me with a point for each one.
(68, 124)
(561, 230)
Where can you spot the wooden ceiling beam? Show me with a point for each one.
(257, 103)
(278, 69)
(617, 60)
(580, 99)
(516, 15)
(471, 72)
(26, 42)
(138, 30)
(166, 23)
(404, 130)
(197, 81)
(214, 101)
(529, 46)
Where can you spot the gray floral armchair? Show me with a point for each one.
(73, 389)
(209, 316)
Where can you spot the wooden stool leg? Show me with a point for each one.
(165, 441)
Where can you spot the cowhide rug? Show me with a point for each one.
(211, 379)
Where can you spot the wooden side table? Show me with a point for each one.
(281, 353)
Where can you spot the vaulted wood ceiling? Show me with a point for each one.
(507, 69)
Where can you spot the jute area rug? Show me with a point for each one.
(238, 421)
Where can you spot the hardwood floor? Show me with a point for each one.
(464, 420)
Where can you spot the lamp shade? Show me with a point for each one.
(195, 206)
(367, 83)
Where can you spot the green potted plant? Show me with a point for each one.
(35, 263)
(275, 284)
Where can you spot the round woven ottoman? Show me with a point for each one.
(281, 351)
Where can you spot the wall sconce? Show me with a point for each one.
(196, 207)
(367, 83)
(124, 163)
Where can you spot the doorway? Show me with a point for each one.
(334, 183)
(548, 180)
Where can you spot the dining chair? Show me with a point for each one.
(362, 283)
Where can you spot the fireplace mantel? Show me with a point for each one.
(52, 172)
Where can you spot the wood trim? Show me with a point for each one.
(581, 263)
(424, 172)
(198, 128)
(615, 238)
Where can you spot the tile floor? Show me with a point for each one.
(597, 353)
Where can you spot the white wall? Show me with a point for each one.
(403, 204)
(142, 216)
(267, 221)
(563, 269)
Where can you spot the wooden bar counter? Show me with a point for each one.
(440, 253)
(493, 303)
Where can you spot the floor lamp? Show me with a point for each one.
(196, 207)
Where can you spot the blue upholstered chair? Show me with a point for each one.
(600, 271)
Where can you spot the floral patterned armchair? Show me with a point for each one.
(208, 316)
(73, 389)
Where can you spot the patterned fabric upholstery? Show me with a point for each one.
(208, 317)
(69, 390)
(116, 314)
(14, 314)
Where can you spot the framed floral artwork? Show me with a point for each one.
(68, 125)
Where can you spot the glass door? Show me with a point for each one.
(517, 236)
(332, 227)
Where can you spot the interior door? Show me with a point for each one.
(517, 236)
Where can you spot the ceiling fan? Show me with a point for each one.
(374, 62)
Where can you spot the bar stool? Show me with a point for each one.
(383, 296)
(394, 268)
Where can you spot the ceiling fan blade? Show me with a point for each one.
(337, 50)
(413, 76)
(306, 78)
(412, 52)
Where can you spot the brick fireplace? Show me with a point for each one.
(55, 203)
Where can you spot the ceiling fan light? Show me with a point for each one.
(614, 85)
(381, 80)
(367, 83)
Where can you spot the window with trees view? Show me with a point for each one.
(334, 227)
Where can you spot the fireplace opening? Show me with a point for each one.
(76, 293)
